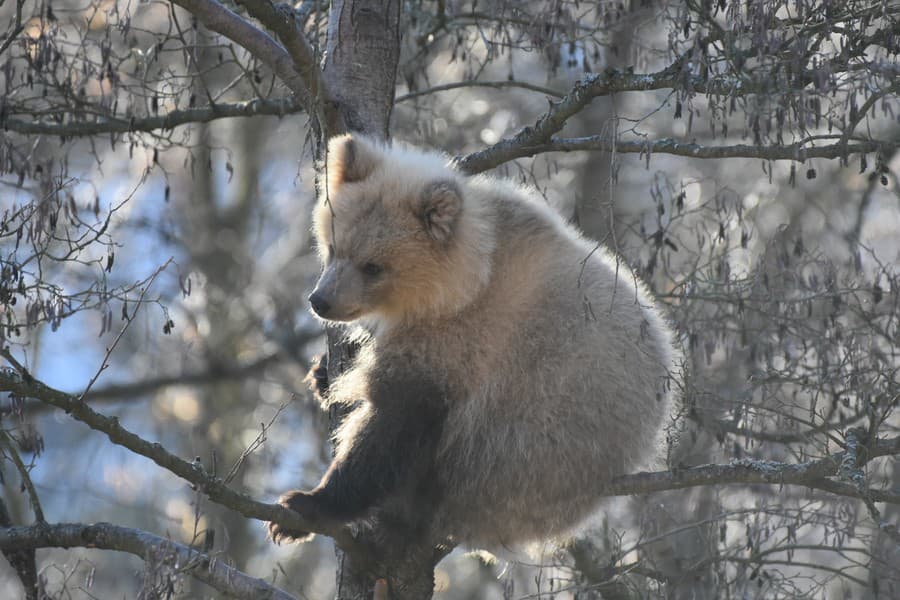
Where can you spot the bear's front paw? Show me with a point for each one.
(299, 502)
(317, 378)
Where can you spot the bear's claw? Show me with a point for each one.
(317, 378)
(295, 500)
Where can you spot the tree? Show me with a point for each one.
(782, 284)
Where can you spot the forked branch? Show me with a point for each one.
(294, 62)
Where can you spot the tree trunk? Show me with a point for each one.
(362, 51)
(884, 574)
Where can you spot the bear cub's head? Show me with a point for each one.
(398, 235)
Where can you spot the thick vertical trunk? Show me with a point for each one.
(361, 57)
(884, 574)
(362, 52)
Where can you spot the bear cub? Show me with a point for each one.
(508, 367)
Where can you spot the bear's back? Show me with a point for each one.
(558, 369)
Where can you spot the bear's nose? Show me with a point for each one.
(319, 304)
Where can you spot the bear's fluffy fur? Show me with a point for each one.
(510, 367)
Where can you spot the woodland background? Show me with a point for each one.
(157, 171)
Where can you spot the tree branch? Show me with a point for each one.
(15, 30)
(7, 443)
(294, 63)
(23, 385)
(171, 120)
(105, 536)
(479, 84)
(592, 86)
(540, 136)
(216, 374)
(521, 146)
(22, 560)
(282, 19)
(810, 474)
(220, 19)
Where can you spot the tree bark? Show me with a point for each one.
(884, 575)
(362, 52)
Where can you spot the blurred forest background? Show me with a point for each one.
(157, 171)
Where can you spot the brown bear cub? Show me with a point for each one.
(508, 367)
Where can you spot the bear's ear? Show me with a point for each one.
(351, 159)
(440, 205)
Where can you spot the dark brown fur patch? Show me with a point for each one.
(394, 446)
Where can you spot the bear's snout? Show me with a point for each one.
(319, 304)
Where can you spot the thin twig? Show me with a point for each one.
(9, 445)
(105, 363)
(256, 443)
(17, 27)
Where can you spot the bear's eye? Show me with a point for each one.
(372, 269)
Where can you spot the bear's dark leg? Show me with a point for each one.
(391, 454)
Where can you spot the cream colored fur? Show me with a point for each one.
(554, 358)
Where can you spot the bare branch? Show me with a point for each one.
(539, 138)
(216, 374)
(519, 147)
(220, 19)
(8, 445)
(810, 474)
(253, 446)
(209, 570)
(583, 93)
(282, 19)
(203, 114)
(128, 320)
(479, 84)
(21, 560)
(24, 385)
(16, 29)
